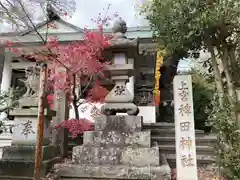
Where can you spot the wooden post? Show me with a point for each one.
(184, 128)
(40, 128)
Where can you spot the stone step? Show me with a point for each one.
(116, 138)
(207, 140)
(15, 169)
(116, 156)
(170, 132)
(105, 172)
(118, 123)
(159, 125)
(17, 178)
(201, 150)
(201, 160)
(24, 153)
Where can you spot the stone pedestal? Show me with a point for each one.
(18, 159)
(119, 99)
(117, 149)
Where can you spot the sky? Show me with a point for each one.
(87, 9)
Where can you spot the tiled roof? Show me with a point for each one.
(138, 29)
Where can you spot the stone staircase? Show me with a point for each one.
(164, 135)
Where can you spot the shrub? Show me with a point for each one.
(228, 139)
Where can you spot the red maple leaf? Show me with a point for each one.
(77, 126)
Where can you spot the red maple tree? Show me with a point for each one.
(76, 69)
(82, 65)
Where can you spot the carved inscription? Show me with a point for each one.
(95, 112)
(185, 109)
(186, 143)
(27, 128)
(120, 90)
(84, 109)
(187, 160)
(183, 91)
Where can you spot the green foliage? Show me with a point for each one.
(202, 98)
(228, 140)
(184, 25)
(193, 25)
(8, 100)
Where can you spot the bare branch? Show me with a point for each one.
(33, 25)
(9, 14)
(85, 88)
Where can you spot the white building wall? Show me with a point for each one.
(7, 72)
(6, 136)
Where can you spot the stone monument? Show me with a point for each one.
(184, 128)
(118, 148)
(18, 159)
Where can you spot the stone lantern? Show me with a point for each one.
(118, 148)
(121, 49)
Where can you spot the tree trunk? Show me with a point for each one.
(229, 78)
(217, 75)
(75, 107)
(232, 55)
(234, 64)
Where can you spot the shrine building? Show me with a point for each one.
(141, 85)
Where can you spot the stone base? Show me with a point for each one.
(114, 108)
(117, 139)
(118, 123)
(18, 161)
(29, 102)
(117, 149)
(113, 172)
(13, 169)
(139, 157)
(27, 153)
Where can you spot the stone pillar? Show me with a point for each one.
(20, 156)
(7, 72)
(60, 137)
(18, 159)
(130, 84)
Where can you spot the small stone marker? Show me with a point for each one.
(186, 162)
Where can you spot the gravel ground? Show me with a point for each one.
(204, 173)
